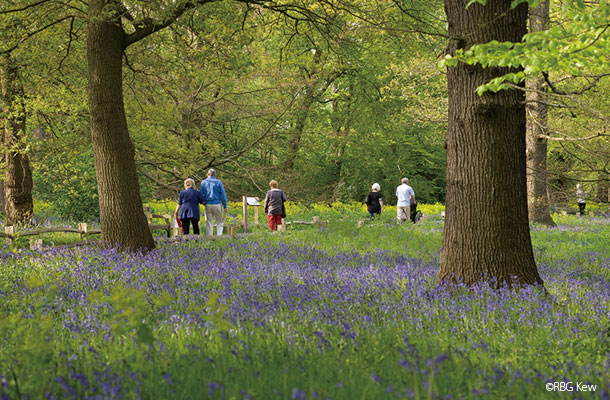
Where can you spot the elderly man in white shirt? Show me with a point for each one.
(406, 196)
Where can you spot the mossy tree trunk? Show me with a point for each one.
(18, 203)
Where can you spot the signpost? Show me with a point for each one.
(252, 202)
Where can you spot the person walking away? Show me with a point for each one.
(188, 205)
(405, 195)
(581, 199)
(413, 206)
(274, 205)
(374, 203)
(215, 197)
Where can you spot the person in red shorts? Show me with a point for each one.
(274, 205)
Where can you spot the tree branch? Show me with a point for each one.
(70, 34)
(605, 28)
(246, 171)
(582, 90)
(158, 182)
(30, 34)
(572, 139)
(146, 29)
(157, 166)
(238, 153)
(14, 10)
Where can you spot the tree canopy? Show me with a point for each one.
(326, 97)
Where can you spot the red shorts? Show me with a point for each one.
(274, 221)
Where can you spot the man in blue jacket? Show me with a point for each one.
(214, 193)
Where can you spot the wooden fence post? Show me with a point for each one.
(35, 244)
(148, 213)
(173, 223)
(9, 230)
(256, 214)
(168, 220)
(245, 211)
(82, 230)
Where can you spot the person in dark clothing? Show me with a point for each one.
(581, 199)
(274, 205)
(414, 212)
(374, 204)
(188, 204)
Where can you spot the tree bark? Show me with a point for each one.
(603, 188)
(2, 201)
(18, 203)
(302, 112)
(296, 133)
(537, 126)
(486, 236)
(122, 218)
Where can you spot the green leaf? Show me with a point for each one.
(482, 2)
(532, 3)
(481, 90)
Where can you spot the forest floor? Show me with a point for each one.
(346, 312)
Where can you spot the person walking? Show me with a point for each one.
(581, 199)
(274, 205)
(215, 197)
(405, 195)
(374, 203)
(413, 206)
(188, 205)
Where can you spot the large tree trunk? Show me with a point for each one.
(18, 203)
(486, 233)
(537, 125)
(122, 218)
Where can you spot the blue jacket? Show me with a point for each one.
(189, 201)
(213, 191)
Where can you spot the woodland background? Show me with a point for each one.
(325, 106)
(495, 108)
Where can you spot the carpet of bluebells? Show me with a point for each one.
(346, 313)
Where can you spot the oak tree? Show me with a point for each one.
(486, 234)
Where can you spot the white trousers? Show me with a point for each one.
(213, 212)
